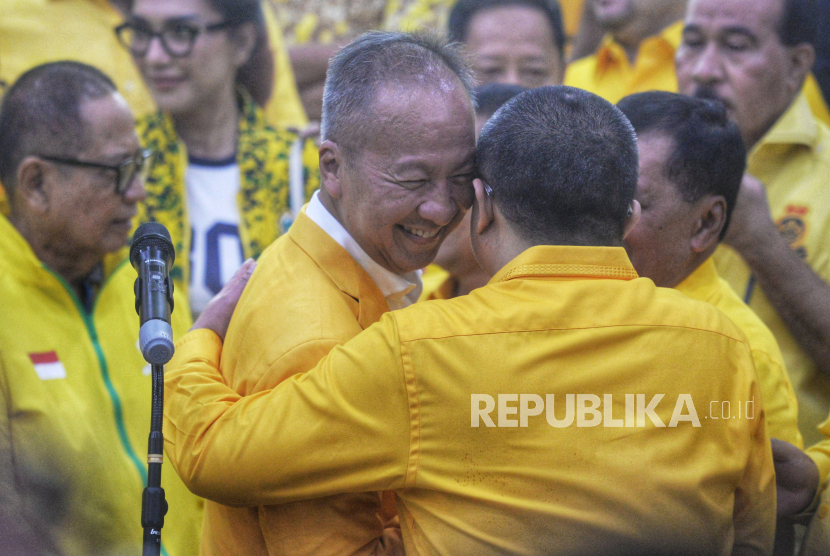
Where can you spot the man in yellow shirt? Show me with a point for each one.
(396, 163)
(637, 53)
(692, 160)
(515, 42)
(754, 56)
(74, 389)
(443, 401)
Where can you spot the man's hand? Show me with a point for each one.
(217, 315)
(751, 223)
(796, 476)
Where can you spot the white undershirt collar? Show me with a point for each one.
(399, 290)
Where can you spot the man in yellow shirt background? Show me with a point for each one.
(515, 42)
(692, 160)
(74, 388)
(397, 160)
(754, 56)
(412, 403)
(638, 52)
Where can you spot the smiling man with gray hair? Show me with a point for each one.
(396, 163)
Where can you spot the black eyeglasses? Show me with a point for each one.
(177, 37)
(125, 172)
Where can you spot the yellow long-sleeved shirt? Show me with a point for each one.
(75, 399)
(307, 296)
(793, 162)
(780, 404)
(395, 408)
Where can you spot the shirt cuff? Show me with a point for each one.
(199, 343)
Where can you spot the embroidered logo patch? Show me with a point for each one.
(793, 229)
(47, 365)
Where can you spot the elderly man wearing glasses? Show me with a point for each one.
(224, 182)
(74, 389)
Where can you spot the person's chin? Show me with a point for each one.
(116, 240)
(171, 101)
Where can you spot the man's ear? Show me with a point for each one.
(331, 168)
(711, 211)
(632, 219)
(801, 58)
(483, 206)
(31, 188)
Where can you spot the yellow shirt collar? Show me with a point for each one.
(701, 284)
(797, 126)
(568, 262)
(16, 250)
(610, 53)
(22, 260)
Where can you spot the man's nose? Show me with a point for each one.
(707, 67)
(512, 75)
(136, 191)
(440, 207)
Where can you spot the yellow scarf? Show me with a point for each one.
(263, 158)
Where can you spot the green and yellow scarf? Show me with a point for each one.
(263, 155)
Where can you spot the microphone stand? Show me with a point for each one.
(153, 504)
(151, 254)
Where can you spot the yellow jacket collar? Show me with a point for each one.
(797, 126)
(611, 53)
(702, 283)
(22, 261)
(17, 254)
(569, 262)
(340, 267)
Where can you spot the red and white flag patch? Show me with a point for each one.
(47, 365)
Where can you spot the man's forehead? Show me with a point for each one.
(396, 94)
(409, 112)
(109, 125)
(756, 16)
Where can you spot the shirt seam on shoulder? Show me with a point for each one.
(447, 336)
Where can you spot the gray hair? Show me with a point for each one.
(377, 58)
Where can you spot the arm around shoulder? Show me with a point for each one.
(342, 427)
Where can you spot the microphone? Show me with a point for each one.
(152, 255)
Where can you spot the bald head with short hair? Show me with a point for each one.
(376, 60)
(41, 114)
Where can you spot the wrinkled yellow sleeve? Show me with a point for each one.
(342, 427)
(755, 498)
(780, 403)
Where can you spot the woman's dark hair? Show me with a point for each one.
(257, 75)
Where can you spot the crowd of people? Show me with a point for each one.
(451, 277)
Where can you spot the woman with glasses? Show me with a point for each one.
(222, 181)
